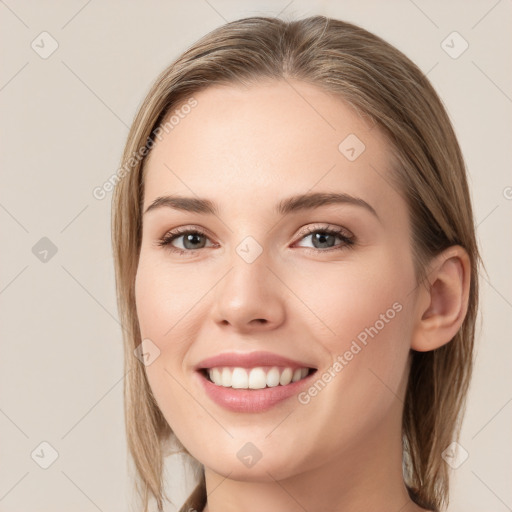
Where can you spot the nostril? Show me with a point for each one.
(259, 320)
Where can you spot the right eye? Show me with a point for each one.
(191, 240)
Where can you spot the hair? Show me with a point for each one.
(380, 82)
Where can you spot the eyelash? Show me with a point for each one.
(347, 241)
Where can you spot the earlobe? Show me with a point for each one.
(443, 300)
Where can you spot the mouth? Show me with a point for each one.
(259, 377)
(252, 381)
(253, 390)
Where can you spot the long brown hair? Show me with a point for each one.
(382, 83)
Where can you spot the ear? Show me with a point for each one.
(442, 300)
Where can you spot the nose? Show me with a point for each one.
(250, 297)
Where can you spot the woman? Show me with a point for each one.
(296, 271)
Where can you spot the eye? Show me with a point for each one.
(324, 238)
(191, 240)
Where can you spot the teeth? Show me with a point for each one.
(273, 376)
(286, 377)
(239, 379)
(296, 375)
(256, 378)
(226, 378)
(216, 376)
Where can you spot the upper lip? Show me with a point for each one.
(249, 360)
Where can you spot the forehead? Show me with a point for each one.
(272, 139)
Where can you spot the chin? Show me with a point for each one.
(246, 463)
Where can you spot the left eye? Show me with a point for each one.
(325, 238)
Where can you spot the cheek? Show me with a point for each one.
(365, 323)
(348, 299)
(165, 302)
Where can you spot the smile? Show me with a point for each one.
(255, 378)
(251, 396)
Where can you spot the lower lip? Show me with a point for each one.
(251, 400)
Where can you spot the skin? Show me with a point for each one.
(246, 149)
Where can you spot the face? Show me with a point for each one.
(277, 288)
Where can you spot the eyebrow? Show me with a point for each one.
(292, 204)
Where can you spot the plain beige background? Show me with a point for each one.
(64, 120)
